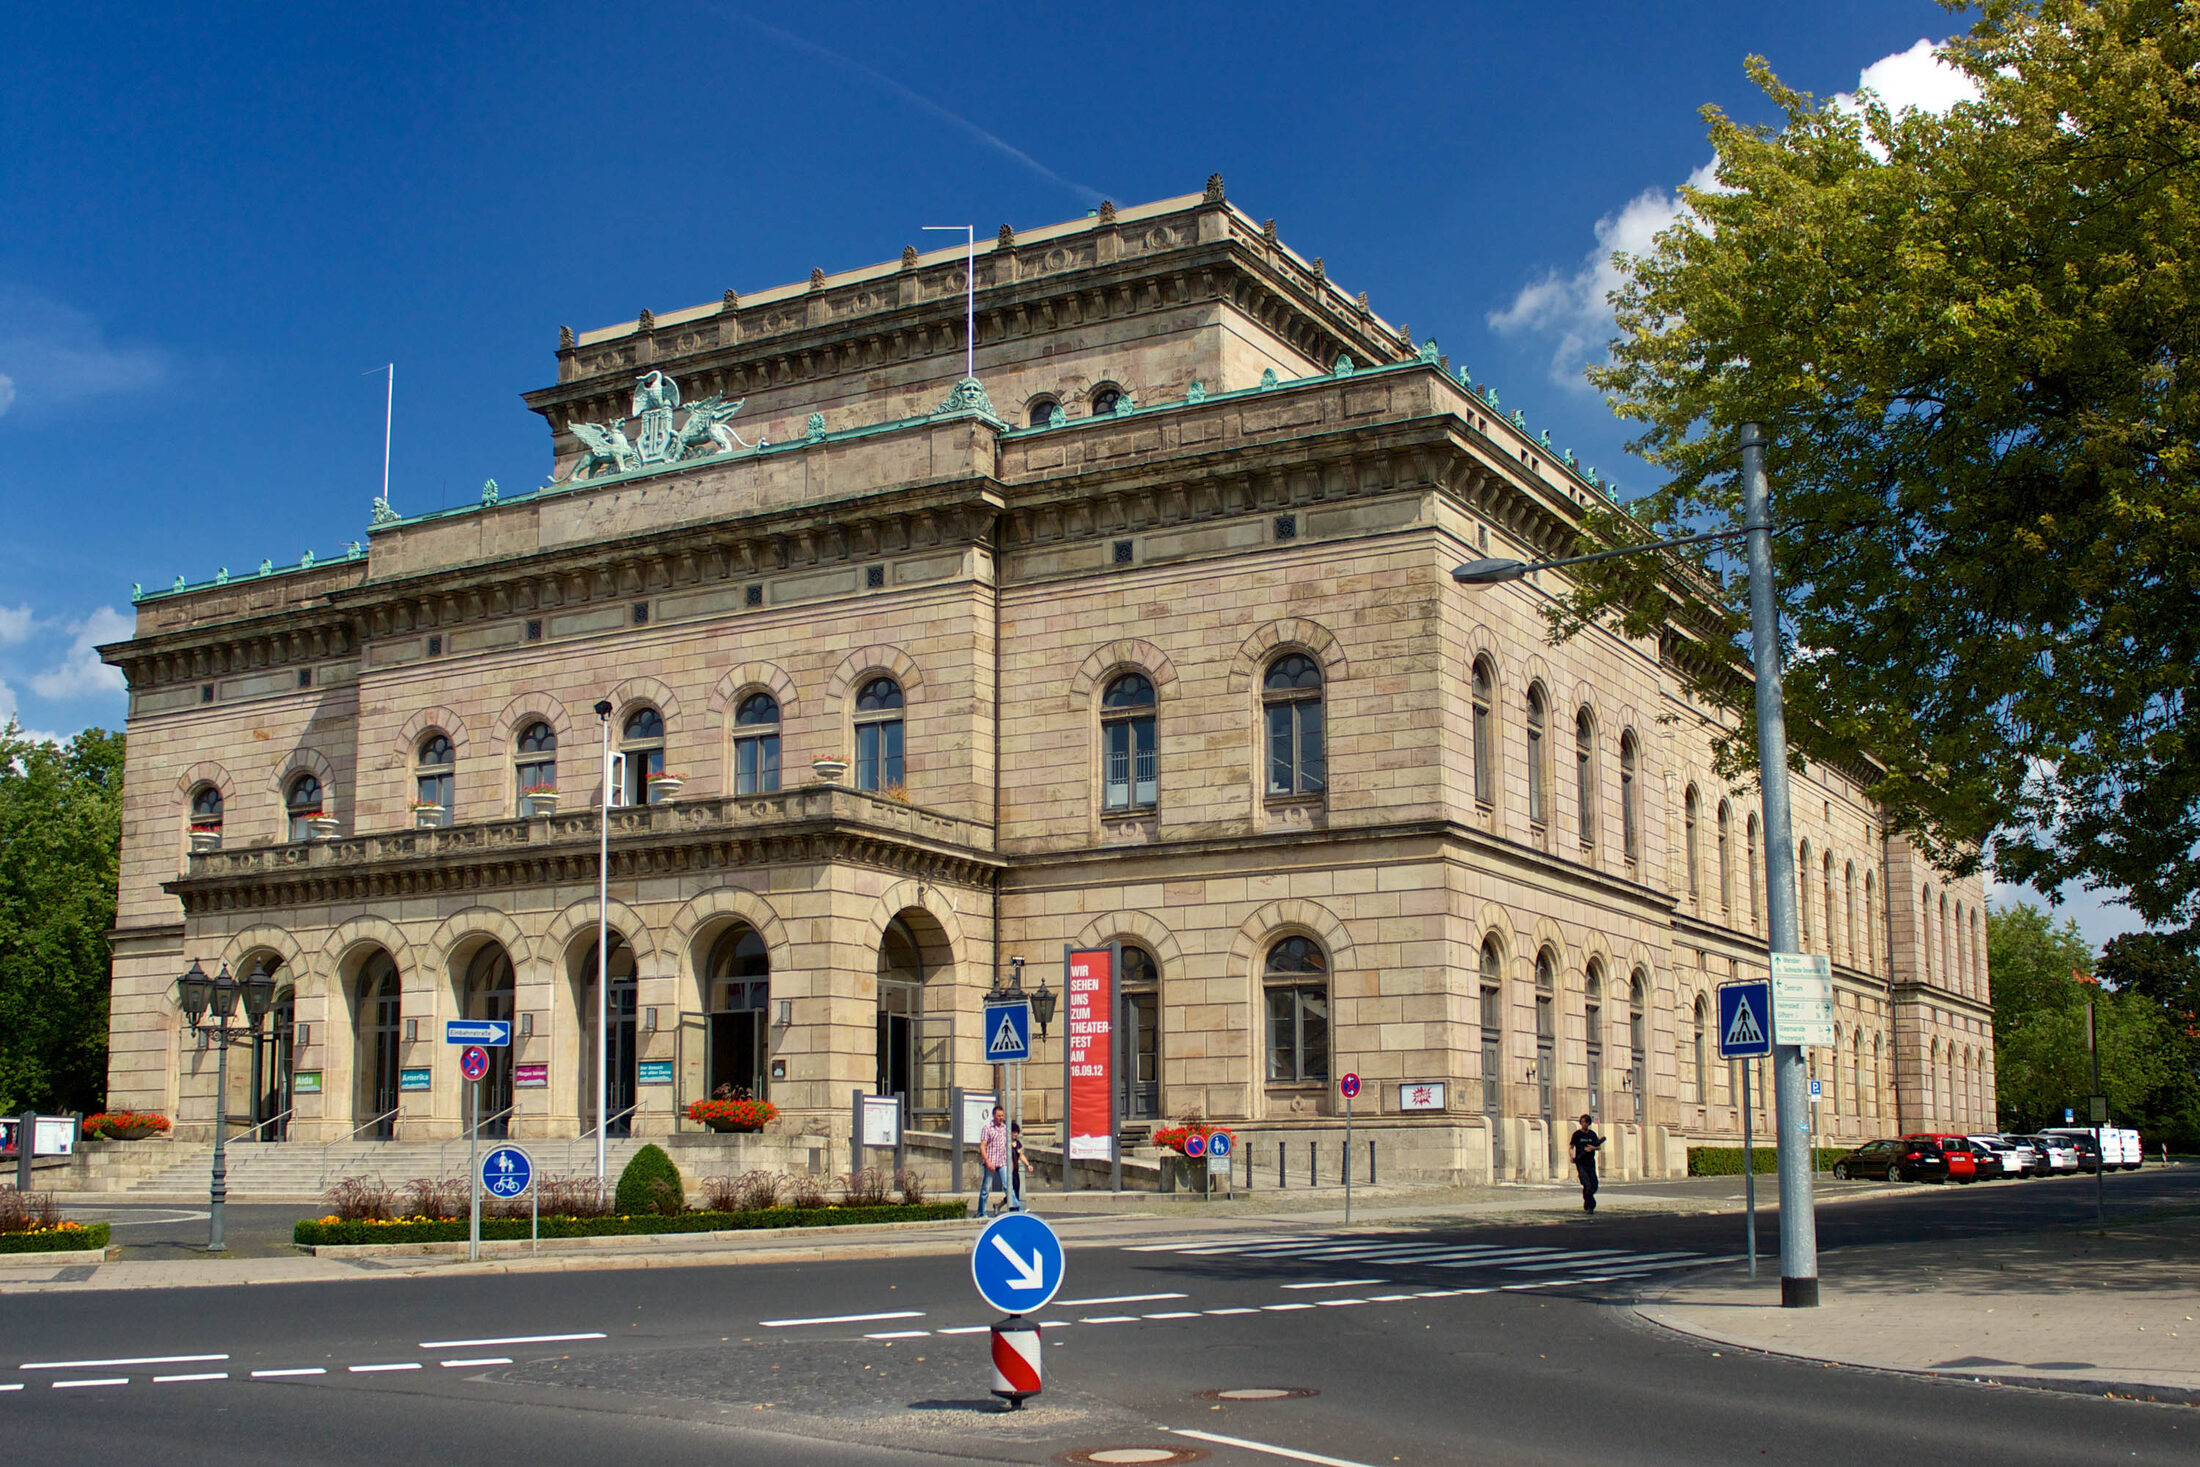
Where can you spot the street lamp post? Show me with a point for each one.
(196, 993)
(1791, 1083)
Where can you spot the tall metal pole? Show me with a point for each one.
(603, 944)
(1749, 1169)
(217, 1201)
(1790, 1077)
(2100, 1151)
(389, 405)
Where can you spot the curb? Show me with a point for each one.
(645, 1244)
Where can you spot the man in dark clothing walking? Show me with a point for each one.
(1586, 1143)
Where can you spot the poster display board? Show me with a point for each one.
(1088, 980)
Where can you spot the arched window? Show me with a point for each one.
(1947, 968)
(1585, 778)
(1295, 984)
(302, 801)
(1630, 797)
(1044, 412)
(1833, 1075)
(1291, 698)
(1697, 1053)
(756, 745)
(535, 767)
(1802, 892)
(1485, 735)
(1978, 963)
(1638, 1042)
(1128, 758)
(1141, 1001)
(1848, 913)
(1871, 926)
(1725, 834)
(206, 815)
(1925, 932)
(1856, 1073)
(1756, 887)
(1592, 1024)
(1106, 398)
(737, 994)
(1692, 842)
(1826, 896)
(1546, 1035)
(1493, 1029)
(1539, 759)
(642, 754)
(878, 735)
(435, 766)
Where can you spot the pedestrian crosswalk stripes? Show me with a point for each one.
(1549, 1265)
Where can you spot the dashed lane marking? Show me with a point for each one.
(378, 1369)
(128, 1360)
(834, 1319)
(201, 1375)
(900, 1334)
(1337, 1284)
(596, 1334)
(294, 1370)
(70, 1385)
(486, 1360)
(1114, 1299)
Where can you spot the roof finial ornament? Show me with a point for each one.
(732, 300)
(1268, 382)
(1214, 189)
(1363, 304)
(1321, 270)
(646, 321)
(817, 277)
(1107, 211)
(488, 492)
(1344, 367)
(1268, 231)
(1429, 353)
(1007, 238)
(565, 338)
(908, 257)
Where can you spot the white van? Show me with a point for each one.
(2119, 1147)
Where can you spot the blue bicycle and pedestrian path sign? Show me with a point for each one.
(1745, 1019)
(1017, 1263)
(506, 1172)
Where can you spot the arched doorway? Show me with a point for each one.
(619, 1092)
(1141, 1031)
(915, 1043)
(487, 990)
(380, 1028)
(272, 1048)
(737, 996)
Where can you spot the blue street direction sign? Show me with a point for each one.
(1017, 1264)
(1745, 1019)
(506, 1171)
(1219, 1144)
(495, 1033)
(1008, 1032)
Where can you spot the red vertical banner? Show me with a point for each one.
(1088, 982)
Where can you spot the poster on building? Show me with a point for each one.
(1088, 981)
(531, 1077)
(1802, 999)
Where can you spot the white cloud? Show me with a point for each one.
(16, 624)
(1916, 78)
(81, 674)
(54, 355)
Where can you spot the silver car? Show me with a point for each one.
(2015, 1156)
(2057, 1155)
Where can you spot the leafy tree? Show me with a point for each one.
(1970, 340)
(2162, 970)
(60, 831)
(2040, 1063)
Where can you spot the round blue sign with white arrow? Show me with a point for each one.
(506, 1171)
(1017, 1264)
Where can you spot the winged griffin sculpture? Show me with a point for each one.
(658, 442)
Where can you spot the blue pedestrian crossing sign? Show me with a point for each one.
(506, 1171)
(1017, 1264)
(1745, 1019)
(1008, 1032)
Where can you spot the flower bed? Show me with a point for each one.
(312, 1232)
(733, 1115)
(126, 1125)
(1172, 1138)
(65, 1237)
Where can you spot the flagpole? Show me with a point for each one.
(389, 402)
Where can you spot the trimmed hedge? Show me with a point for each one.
(310, 1232)
(650, 1183)
(1726, 1161)
(56, 1240)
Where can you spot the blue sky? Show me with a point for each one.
(222, 218)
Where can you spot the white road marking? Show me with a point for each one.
(376, 1369)
(1113, 1299)
(1595, 1258)
(302, 1370)
(900, 1334)
(969, 1329)
(515, 1340)
(13, 1385)
(489, 1360)
(1176, 1314)
(1274, 1451)
(1232, 1311)
(132, 1360)
(67, 1385)
(1390, 1298)
(1054, 1324)
(841, 1319)
(1338, 1284)
(1340, 1303)
(203, 1375)
(1110, 1319)
(1281, 1308)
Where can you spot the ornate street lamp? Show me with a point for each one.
(1042, 1006)
(195, 995)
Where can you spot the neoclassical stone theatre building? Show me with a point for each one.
(1142, 631)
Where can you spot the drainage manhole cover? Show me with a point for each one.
(1144, 1456)
(1259, 1393)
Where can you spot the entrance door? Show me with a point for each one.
(738, 1039)
(619, 1095)
(271, 1057)
(382, 1008)
(1141, 1055)
(935, 1071)
(621, 1041)
(897, 1047)
(489, 995)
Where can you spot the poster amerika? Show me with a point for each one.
(1088, 979)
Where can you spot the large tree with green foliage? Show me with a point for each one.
(1969, 340)
(60, 831)
(2163, 972)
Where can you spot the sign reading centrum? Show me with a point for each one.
(1088, 978)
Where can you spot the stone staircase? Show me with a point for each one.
(290, 1170)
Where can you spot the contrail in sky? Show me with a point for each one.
(923, 103)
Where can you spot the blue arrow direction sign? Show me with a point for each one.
(1745, 1019)
(1007, 1033)
(506, 1171)
(1017, 1264)
(492, 1033)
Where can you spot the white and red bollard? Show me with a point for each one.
(1016, 1373)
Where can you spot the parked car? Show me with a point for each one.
(2031, 1162)
(1995, 1157)
(2084, 1142)
(1962, 1165)
(1909, 1160)
(2057, 1155)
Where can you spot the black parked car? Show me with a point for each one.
(1896, 1161)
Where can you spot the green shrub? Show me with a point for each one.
(309, 1232)
(650, 1184)
(1726, 1161)
(64, 1239)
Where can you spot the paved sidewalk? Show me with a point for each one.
(2077, 1310)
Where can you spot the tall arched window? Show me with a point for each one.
(1539, 759)
(756, 745)
(1871, 926)
(1129, 760)
(206, 814)
(1493, 1030)
(1947, 967)
(1630, 797)
(1592, 1025)
(1978, 960)
(1700, 1067)
(1141, 1004)
(1638, 1042)
(535, 766)
(1826, 896)
(302, 802)
(435, 782)
(1585, 779)
(1546, 1037)
(1691, 841)
(1833, 1075)
(1802, 892)
(642, 753)
(1295, 988)
(1291, 700)
(1725, 835)
(1485, 735)
(1925, 932)
(737, 995)
(1756, 887)
(878, 735)
(1848, 913)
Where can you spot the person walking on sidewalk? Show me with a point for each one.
(1017, 1165)
(993, 1153)
(1585, 1144)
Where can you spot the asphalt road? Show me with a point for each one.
(1451, 1345)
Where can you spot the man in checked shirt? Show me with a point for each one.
(993, 1152)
